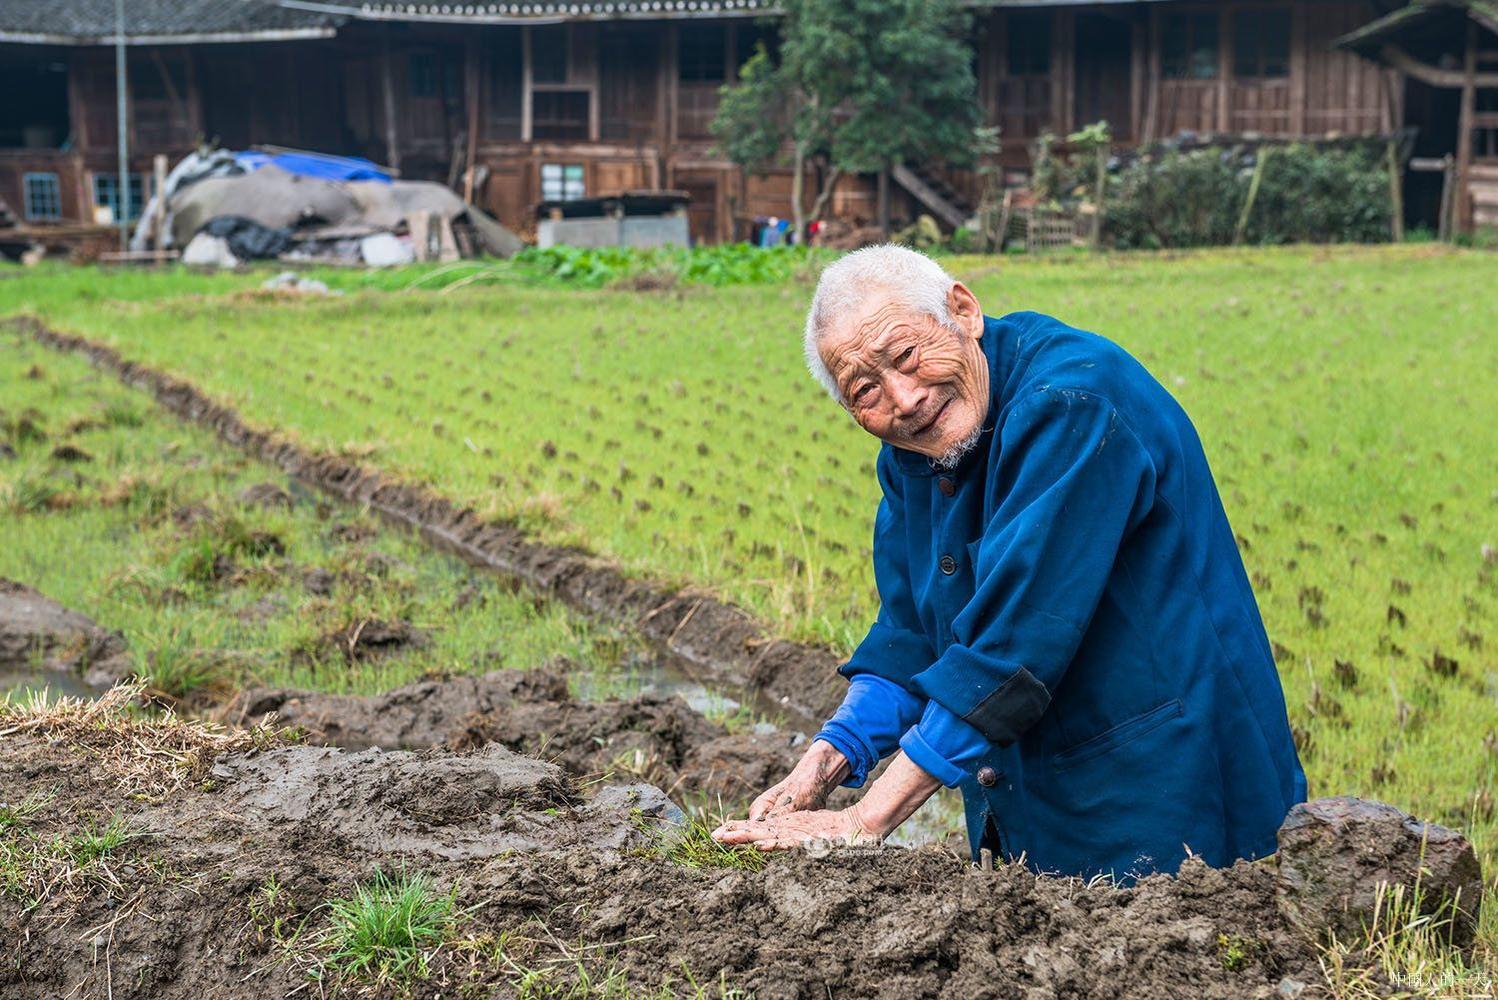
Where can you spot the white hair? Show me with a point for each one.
(916, 280)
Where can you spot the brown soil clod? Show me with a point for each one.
(370, 638)
(36, 631)
(267, 495)
(660, 739)
(71, 454)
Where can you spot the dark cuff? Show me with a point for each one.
(1003, 713)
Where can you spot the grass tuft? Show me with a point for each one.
(694, 847)
(387, 931)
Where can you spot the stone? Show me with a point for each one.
(204, 250)
(1334, 854)
(385, 250)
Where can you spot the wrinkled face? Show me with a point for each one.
(907, 379)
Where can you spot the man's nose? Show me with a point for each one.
(906, 394)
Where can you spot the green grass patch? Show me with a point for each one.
(223, 573)
(387, 931)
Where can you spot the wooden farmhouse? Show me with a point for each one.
(517, 103)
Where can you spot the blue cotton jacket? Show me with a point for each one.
(1067, 632)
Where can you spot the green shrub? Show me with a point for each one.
(1307, 194)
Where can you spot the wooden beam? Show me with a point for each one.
(1138, 69)
(387, 82)
(1224, 67)
(471, 99)
(1299, 68)
(1436, 77)
(1152, 85)
(526, 85)
(1464, 132)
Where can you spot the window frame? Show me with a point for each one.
(1259, 17)
(138, 193)
(1192, 19)
(567, 175)
(28, 199)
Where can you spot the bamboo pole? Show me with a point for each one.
(1253, 193)
(1396, 194)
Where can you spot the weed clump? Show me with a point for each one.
(388, 929)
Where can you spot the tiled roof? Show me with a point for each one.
(537, 10)
(92, 21)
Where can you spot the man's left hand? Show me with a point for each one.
(838, 827)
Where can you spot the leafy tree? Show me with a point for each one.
(858, 86)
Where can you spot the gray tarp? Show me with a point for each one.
(317, 208)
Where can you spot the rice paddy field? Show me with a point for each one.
(221, 573)
(1345, 398)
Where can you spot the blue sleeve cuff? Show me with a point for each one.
(868, 724)
(943, 745)
(928, 760)
(861, 757)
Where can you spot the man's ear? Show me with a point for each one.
(962, 306)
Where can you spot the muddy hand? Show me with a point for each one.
(821, 769)
(839, 827)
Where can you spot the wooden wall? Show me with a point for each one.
(401, 93)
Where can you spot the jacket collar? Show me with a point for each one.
(1000, 344)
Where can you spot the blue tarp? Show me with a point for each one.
(331, 168)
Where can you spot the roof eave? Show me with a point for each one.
(196, 38)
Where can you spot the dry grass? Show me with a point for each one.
(1406, 949)
(150, 756)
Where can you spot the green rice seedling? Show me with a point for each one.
(389, 928)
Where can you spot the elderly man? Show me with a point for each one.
(1066, 631)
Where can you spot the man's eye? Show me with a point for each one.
(863, 394)
(906, 355)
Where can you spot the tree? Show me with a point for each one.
(858, 86)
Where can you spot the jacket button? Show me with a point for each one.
(948, 565)
(946, 485)
(987, 777)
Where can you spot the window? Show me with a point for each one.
(107, 193)
(559, 114)
(701, 52)
(505, 85)
(424, 80)
(561, 181)
(1029, 43)
(1189, 46)
(43, 196)
(549, 54)
(1261, 43)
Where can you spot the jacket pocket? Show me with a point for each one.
(1112, 739)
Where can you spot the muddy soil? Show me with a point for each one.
(39, 637)
(723, 641)
(181, 910)
(657, 738)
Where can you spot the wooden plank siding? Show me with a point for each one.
(619, 99)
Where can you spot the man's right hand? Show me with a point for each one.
(819, 771)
